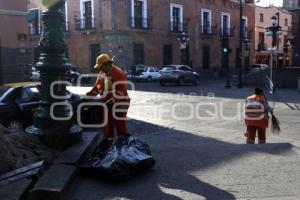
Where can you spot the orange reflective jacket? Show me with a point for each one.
(255, 111)
(112, 85)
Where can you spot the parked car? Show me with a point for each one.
(258, 67)
(148, 74)
(18, 102)
(35, 74)
(179, 74)
(73, 74)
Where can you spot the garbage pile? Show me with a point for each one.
(127, 156)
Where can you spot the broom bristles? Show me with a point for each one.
(275, 125)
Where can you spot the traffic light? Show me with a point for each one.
(226, 50)
(224, 44)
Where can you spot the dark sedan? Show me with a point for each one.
(18, 102)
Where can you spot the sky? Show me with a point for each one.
(268, 2)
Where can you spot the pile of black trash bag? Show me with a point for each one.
(127, 156)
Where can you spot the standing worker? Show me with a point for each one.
(256, 116)
(112, 84)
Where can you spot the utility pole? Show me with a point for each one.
(240, 63)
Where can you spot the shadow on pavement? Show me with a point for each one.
(217, 87)
(179, 155)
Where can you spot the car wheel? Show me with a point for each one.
(13, 124)
(149, 79)
(181, 81)
(162, 83)
(95, 116)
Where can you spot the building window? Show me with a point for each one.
(261, 41)
(176, 18)
(167, 55)
(34, 20)
(206, 21)
(138, 54)
(261, 17)
(206, 57)
(286, 22)
(86, 20)
(245, 26)
(139, 14)
(95, 51)
(225, 23)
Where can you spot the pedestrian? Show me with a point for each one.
(111, 84)
(256, 116)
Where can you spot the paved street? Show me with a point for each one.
(198, 143)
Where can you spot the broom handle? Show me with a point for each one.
(266, 100)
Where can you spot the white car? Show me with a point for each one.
(35, 75)
(149, 74)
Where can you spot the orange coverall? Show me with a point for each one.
(257, 125)
(113, 85)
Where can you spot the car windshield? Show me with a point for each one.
(3, 92)
(168, 68)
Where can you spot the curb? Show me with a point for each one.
(53, 183)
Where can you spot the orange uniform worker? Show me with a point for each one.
(256, 116)
(112, 84)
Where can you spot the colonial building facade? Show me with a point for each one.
(294, 7)
(148, 31)
(263, 42)
(14, 52)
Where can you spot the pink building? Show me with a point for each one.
(263, 41)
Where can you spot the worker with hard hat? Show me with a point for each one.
(111, 84)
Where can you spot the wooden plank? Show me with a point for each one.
(20, 173)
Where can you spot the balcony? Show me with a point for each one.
(86, 23)
(141, 23)
(208, 30)
(177, 27)
(227, 32)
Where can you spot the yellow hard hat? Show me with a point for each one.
(103, 58)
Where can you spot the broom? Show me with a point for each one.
(275, 122)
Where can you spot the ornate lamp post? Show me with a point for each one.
(53, 119)
(274, 31)
(183, 38)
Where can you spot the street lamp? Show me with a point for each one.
(52, 121)
(274, 31)
(183, 38)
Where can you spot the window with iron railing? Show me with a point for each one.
(141, 23)
(176, 27)
(227, 31)
(85, 23)
(208, 30)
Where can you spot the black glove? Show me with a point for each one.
(110, 103)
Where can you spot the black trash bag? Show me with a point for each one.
(127, 156)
